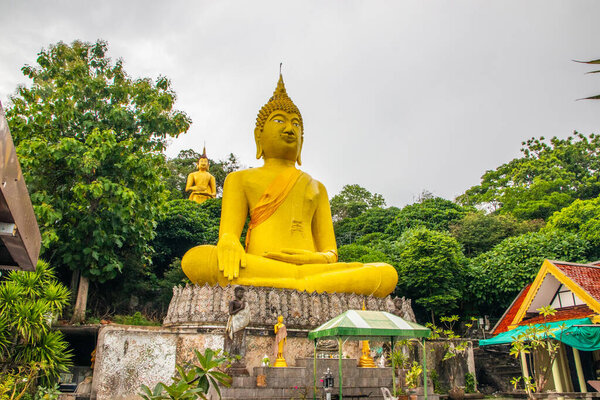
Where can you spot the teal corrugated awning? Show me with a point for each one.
(361, 325)
(578, 333)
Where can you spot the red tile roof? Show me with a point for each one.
(587, 276)
(509, 315)
(564, 314)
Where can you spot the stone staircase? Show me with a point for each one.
(495, 368)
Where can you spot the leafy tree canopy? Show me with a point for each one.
(478, 232)
(77, 89)
(89, 139)
(549, 176)
(431, 269)
(363, 254)
(183, 225)
(433, 213)
(582, 217)
(497, 276)
(371, 221)
(352, 201)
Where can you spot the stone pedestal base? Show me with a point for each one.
(237, 369)
(279, 363)
(195, 305)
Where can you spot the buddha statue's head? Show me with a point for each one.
(203, 161)
(279, 131)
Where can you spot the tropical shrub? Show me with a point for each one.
(30, 351)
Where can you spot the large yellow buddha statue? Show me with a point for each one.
(290, 241)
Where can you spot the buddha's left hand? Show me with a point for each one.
(299, 256)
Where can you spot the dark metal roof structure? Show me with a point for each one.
(20, 238)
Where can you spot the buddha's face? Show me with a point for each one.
(281, 136)
(203, 164)
(280, 319)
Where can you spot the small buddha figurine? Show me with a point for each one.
(366, 361)
(280, 341)
(290, 241)
(201, 183)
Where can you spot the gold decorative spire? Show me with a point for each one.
(279, 101)
(204, 152)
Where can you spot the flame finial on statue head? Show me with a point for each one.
(204, 152)
(279, 101)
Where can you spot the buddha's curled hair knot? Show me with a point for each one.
(279, 101)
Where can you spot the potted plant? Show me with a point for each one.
(401, 360)
(266, 361)
(412, 379)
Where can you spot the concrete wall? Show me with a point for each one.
(129, 356)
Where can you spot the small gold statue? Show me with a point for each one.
(280, 341)
(290, 241)
(366, 361)
(201, 183)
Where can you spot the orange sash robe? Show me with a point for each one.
(272, 198)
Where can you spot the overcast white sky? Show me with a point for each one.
(397, 96)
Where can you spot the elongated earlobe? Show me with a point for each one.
(298, 157)
(259, 150)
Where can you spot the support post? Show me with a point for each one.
(315, 371)
(424, 368)
(340, 364)
(556, 376)
(580, 376)
(393, 368)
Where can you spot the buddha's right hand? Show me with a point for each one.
(230, 256)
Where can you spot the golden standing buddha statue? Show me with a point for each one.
(201, 183)
(280, 341)
(290, 241)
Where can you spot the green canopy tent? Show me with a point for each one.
(578, 333)
(367, 325)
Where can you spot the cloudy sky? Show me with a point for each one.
(397, 96)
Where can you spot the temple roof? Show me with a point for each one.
(580, 281)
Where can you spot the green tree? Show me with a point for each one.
(582, 218)
(549, 176)
(183, 225)
(431, 270)
(363, 254)
(478, 232)
(352, 201)
(30, 351)
(90, 142)
(185, 163)
(497, 276)
(433, 213)
(373, 220)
